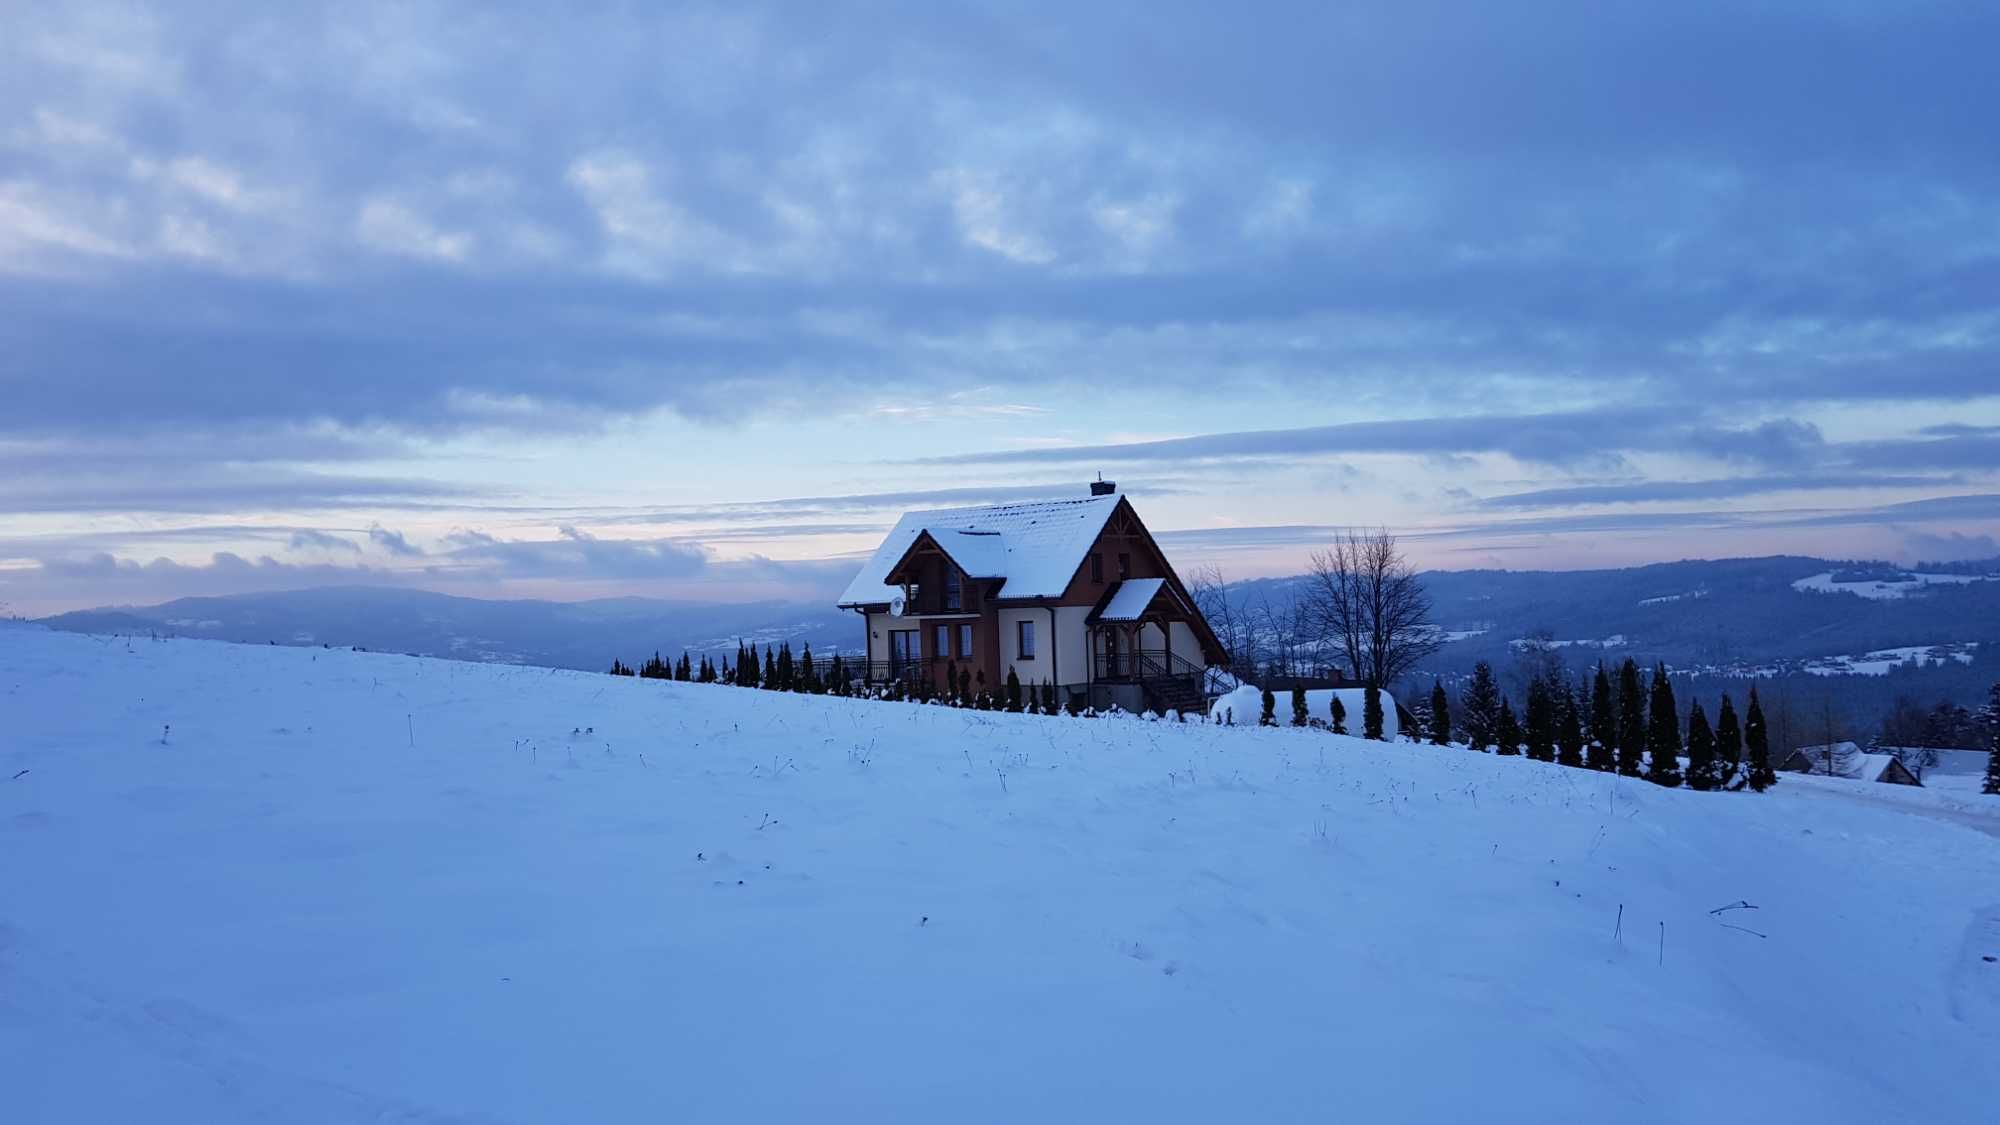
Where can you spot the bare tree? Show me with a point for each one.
(1365, 603)
(1231, 622)
(1835, 758)
(1285, 637)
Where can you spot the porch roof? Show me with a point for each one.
(1128, 600)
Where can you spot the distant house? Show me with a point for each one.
(1845, 759)
(1075, 594)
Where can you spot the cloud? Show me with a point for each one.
(1976, 448)
(394, 228)
(576, 554)
(1937, 509)
(1552, 438)
(308, 539)
(1652, 491)
(102, 578)
(393, 543)
(892, 501)
(1952, 546)
(280, 264)
(417, 216)
(199, 488)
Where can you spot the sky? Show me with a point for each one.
(693, 301)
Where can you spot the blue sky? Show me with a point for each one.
(692, 301)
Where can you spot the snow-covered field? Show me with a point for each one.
(1881, 589)
(362, 887)
(1882, 661)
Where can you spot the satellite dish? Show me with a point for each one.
(898, 606)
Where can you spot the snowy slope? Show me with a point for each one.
(357, 887)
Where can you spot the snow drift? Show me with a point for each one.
(1245, 706)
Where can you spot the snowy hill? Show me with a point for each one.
(301, 885)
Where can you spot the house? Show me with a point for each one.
(1071, 593)
(1845, 759)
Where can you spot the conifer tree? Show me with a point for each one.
(1507, 732)
(1479, 708)
(965, 685)
(1599, 755)
(1440, 715)
(770, 679)
(1990, 786)
(1269, 718)
(1541, 726)
(1299, 716)
(1013, 691)
(1371, 713)
(1701, 773)
(619, 669)
(1663, 733)
(1339, 711)
(1631, 719)
(808, 677)
(746, 667)
(787, 670)
(1569, 728)
(1757, 746)
(1728, 746)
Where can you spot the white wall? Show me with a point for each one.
(1060, 659)
(879, 625)
(1184, 644)
(1030, 671)
(1074, 636)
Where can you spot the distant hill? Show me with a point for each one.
(1850, 636)
(586, 635)
(1860, 632)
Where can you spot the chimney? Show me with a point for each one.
(1102, 487)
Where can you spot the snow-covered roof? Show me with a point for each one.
(1848, 761)
(980, 554)
(1035, 546)
(1838, 749)
(1130, 599)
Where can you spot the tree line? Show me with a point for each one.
(1625, 722)
(775, 669)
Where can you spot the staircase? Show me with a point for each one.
(1176, 693)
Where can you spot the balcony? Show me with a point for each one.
(1141, 665)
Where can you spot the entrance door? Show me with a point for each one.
(904, 650)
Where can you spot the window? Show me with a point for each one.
(943, 641)
(903, 647)
(1124, 565)
(954, 594)
(965, 640)
(1024, 640)
(1097, 568)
